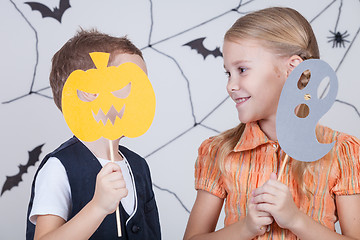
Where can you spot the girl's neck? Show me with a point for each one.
(101, 148)
(268, 126)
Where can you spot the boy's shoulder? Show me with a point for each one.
(70, 142)
(136, 161)
(126, 150)
(72, 145)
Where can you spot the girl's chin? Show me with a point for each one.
(246, 119)
(242, 119)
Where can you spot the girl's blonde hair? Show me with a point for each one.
(285, 32)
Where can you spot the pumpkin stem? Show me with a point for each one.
(100, 59)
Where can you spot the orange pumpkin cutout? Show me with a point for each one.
(124, 106)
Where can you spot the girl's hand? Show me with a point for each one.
(110, 188)
(256, 220)
(275, 198)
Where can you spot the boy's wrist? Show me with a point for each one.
(96, 209)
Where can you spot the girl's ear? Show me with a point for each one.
(292, 62)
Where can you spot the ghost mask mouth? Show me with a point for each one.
(111, 115)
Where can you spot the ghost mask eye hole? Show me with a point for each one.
(124, 92)
(85, 96)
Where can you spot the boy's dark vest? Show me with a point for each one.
(82, 168)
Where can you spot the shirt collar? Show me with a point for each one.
(251, 138)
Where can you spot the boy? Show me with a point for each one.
(76, 189)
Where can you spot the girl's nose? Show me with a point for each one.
(233, 85)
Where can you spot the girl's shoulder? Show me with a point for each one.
(328, 135)
(206, 146)
(343, 160)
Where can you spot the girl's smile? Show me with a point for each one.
(255, 80)
(240, 100)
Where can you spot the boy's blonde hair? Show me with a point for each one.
(285, 32)
(75, 55)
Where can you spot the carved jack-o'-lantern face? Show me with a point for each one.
(124, 103)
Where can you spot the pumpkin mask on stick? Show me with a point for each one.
(124, 104)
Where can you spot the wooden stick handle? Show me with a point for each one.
(117, 209)
(112, 158)
(118, 222)
(280, 173)
(283, 166)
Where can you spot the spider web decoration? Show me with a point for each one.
(337, 38)
(192, 101)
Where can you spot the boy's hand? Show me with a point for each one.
(275, 198)
(257, 220)
(110, 188)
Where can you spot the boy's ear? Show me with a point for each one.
(292, 62)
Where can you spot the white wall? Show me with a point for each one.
(190, 91)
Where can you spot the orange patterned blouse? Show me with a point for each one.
(255, 157)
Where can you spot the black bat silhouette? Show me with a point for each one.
(14, 181)
(45, 11)
(198, 45)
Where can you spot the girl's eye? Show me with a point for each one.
(241, 69)
(227, 74)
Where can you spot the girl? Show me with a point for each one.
(260, 50)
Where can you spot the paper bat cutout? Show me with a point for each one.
(13, 181)
(45, 11)
(198, 45)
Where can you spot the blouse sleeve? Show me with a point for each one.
(348, 164)
(207, 172)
